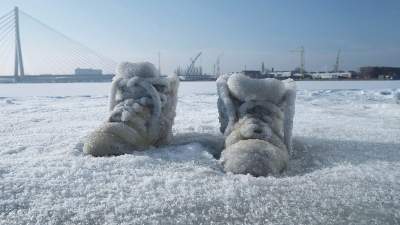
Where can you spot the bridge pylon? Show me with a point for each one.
(19, 64)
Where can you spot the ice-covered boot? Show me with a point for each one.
(142, 111)
(256, 117)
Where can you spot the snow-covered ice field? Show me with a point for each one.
(346, 169)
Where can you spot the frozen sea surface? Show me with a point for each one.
(346, 169)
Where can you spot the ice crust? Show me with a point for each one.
(345, 169)
(397, 96)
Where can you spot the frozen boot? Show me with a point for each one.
(256, 117)
(142, 111)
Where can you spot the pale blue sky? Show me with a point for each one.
(247, 32)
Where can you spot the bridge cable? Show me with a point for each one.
(67, 38)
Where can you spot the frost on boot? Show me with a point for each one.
(142, 111)
(256, 117)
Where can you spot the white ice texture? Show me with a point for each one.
(397, 96)
(142, 110)
(345, 168)
(256, 117)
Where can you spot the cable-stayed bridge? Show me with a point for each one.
(31, 51)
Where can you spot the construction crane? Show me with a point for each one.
(302, 60)
(336, 67)
(189, 70)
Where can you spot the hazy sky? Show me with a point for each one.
(246, 32)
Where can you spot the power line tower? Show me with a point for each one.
(302, 59)
(336, 67)
(19, 64)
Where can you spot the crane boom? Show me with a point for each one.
(191, 66)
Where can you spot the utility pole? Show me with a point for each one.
(218, 66)
(302, 66)
(19, 65)
(336, 67)
(214, 70)
(262, 68)
(302, 60)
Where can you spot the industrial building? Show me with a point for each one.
(280, 74)
(255, 74)
(330, 75)
(376, 72)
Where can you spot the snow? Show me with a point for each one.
(345, 170)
